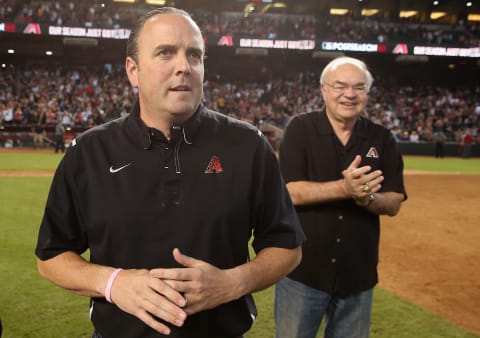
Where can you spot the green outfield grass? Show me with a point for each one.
(445, 165)
(30, 307)
(49, 160)
(29, 161)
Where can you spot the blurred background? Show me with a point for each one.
(63, 61)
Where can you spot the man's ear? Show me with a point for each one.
(132, 71)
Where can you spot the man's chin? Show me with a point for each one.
(183, 111)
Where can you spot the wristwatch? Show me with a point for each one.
(371, 198)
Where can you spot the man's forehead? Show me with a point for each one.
(347, 71)
(171, 19)
(174, 23)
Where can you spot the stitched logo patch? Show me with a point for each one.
(373, 152)
(116, 170)
(214, 166)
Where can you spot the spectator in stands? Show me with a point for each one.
(88, 13)
(467, 141)
(38, 133)
(439, 139)
(414, 137)
(59, 137)
(342, 172)
(7, 113)
(285, 96)
(18, 117)
(165, 260)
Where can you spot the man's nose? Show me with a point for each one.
(183, 64)
(349, 91)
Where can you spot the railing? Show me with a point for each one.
(22, 136)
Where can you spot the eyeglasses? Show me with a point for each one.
(359, 89)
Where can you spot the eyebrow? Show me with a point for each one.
(346, 84)
(166, 46)
(174, 47)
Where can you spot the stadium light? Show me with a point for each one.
(473, 17)
(155, 2)
(338, 11)
(437, 15)
(369, 12)
(407, 14)
(249, 8)
(11, 51)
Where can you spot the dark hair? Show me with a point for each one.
(132, 43)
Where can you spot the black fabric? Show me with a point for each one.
(130, 195)
(341, 253)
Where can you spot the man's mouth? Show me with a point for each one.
(181, 88)
(349, 104)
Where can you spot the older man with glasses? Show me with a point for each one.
(342, 172)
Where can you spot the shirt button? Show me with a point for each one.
(334, 260)
(340, 217)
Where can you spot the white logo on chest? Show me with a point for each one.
(116, 170)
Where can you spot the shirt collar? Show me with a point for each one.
(324, 126)
(139, 132)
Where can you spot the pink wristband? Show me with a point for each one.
(108, 288)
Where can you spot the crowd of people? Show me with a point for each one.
(86, 97)
(269, 26)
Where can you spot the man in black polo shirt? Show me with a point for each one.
(342, 172)
(166, 200)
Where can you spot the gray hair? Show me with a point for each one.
(332, 65)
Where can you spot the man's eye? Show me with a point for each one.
(359, 88)
(196, 55)
(339, 87)
(165, 52)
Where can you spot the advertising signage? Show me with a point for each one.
(84, 32)
(249, 42)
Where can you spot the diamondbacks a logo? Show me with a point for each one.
(214, 166)
(373, 152)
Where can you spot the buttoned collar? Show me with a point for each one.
(324, 126)
(139, 132)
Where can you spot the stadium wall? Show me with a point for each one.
(22, 137)
(428, 149)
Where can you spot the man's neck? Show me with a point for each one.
(163, 123)
(343, 128)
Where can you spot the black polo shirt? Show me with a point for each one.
(340, 255)
(130, 196)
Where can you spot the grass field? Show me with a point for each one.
(32, 307)
(445, 165)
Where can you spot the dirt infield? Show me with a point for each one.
(430, 252)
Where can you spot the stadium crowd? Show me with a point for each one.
(91, 13)
(84, 97)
